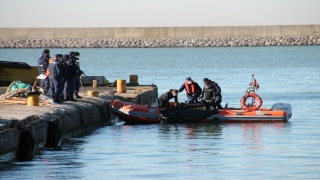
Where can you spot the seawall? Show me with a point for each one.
(294, 35)
(164, 43)
(160, 32)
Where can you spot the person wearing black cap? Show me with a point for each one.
(55, 78)
(79, 72)
(64, 71)
(192, 88)
(43, 63)
(72, 73)
(208, 93)
(163, 100)
(212, 93)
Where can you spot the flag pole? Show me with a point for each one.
(252, 75)
(253, 100)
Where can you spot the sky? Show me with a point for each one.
(156, 13)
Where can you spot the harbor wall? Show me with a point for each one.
(160, 32)
(229, 36)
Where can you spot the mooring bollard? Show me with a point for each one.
(133, 78)
(95, 83)
(93, 93)
(121, 86)
(33, 99)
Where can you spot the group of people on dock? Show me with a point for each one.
(210, 93)
(61, 75)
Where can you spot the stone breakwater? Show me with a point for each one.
(157, 43)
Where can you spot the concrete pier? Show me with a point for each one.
(72, 117)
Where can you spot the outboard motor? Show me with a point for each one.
(283, 107)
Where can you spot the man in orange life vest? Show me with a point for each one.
(192, 88)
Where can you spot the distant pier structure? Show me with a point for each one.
(153, 37)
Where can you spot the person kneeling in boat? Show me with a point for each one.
(216, 92)
(193, 90)
(165, 97)
(208, 94)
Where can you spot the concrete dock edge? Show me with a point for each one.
(75, 117)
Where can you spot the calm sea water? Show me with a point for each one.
(193, 151)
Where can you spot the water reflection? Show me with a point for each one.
(62, 163)
(189, 131)
(254, 133)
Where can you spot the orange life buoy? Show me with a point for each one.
(257, 104)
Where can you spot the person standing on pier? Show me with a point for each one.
(163, 100)
(43, 63)
(193, 90)
(72, 73)
(64, 72)
(79, 72)
(55, 78)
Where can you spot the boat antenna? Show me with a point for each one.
(252, 75)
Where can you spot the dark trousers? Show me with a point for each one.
(77, 85)
(55, 84)
(210, 103)
(164, 104)
(192, 98)
(218, 100)
(45, 83)
(70, 87)
(62, 87)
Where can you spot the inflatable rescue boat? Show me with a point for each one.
(133, 113)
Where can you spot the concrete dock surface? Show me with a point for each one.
(73, 117)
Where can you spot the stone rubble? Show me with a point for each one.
(161, 43)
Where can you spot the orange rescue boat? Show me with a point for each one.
(133, 113)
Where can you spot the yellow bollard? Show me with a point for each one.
(121, 86)
(133, 78)
(93, 93)
(33, 99)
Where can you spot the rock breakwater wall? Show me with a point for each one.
(161, 42)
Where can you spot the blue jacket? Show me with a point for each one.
(72, 68)
(64, 69)
(43, 65)
(55, 69)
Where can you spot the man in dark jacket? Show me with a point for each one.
(43, 63)
(55, 77)
(214, 91)
(77, 79)
(208, 93)
(192, 88)
(165, 97)
(72, 73)
(64, 72)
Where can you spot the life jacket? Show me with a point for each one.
(48, 72)
(192, 90)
